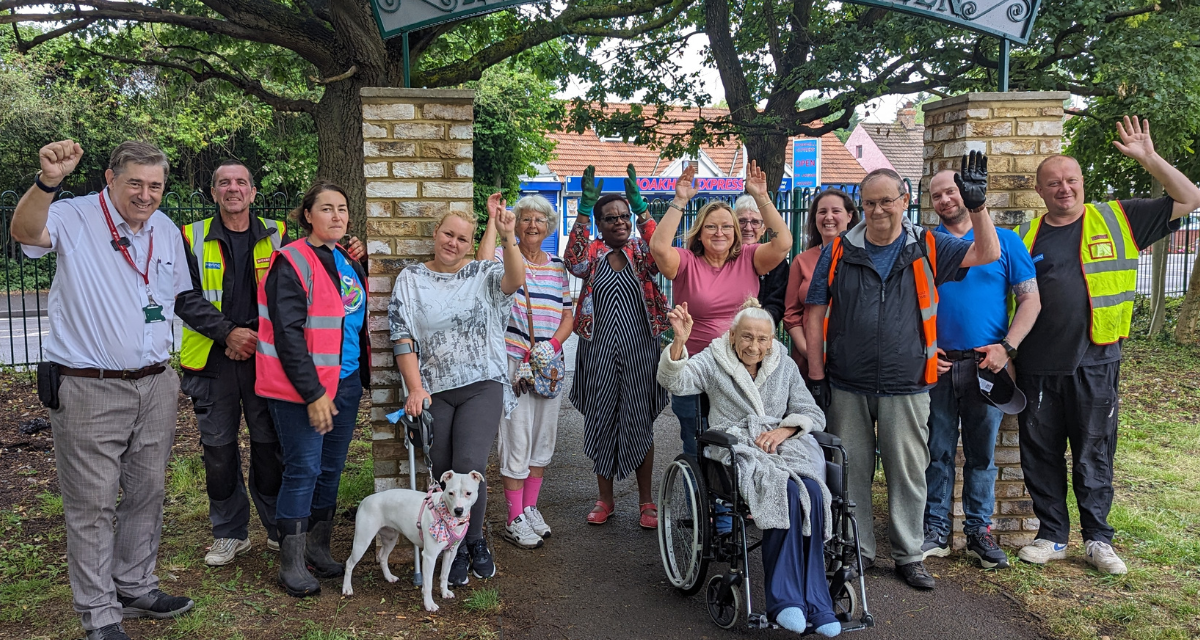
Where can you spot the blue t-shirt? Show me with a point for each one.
(354, 301)
(973, 312)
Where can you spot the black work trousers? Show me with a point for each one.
(1081, 410)
(220, 403)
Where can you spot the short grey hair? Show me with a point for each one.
(745, 202)
(885, 173)
(134, 152)
(539, 204)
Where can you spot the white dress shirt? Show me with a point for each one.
(97, 298)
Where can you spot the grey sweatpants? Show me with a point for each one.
(465, 423)
(902, 423)
(112, 435)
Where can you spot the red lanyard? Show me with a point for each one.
(120, 243)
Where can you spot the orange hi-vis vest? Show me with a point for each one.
(322, 328)
(924, 273)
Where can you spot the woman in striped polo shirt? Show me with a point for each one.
(527, 435)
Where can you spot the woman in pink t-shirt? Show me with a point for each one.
(714, 272)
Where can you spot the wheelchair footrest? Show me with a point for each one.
(758, 621)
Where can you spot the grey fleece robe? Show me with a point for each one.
(746, 407)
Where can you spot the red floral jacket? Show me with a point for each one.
(582, 253)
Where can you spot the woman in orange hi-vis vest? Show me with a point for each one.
(312, 364)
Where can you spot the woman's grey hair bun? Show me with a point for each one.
(751, 310)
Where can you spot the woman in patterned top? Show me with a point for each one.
(447, 319)
(619, 317)
(528, 434)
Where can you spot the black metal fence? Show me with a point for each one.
(26, 282)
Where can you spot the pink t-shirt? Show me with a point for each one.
(714, 295)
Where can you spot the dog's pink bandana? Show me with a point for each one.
(444, 528)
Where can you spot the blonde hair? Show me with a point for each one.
(751, 310)
(462, 215)
(692, 239)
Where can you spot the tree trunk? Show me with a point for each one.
(1158, 271)
(1187, 331)
(340, 146)
(770, 151)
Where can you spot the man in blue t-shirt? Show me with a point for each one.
(973, 332)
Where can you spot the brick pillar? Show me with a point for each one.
(417, 166)
(1016, 131)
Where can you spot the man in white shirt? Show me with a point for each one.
(121, 263)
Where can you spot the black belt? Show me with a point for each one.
(119, 374)
(970, 354)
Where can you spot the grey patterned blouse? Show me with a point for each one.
(458, 322)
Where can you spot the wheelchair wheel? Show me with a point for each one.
(722, 607)
(683, 527)
(846, 606)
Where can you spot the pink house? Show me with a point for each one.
(863, 148)
(895, 145)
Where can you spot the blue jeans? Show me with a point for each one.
(956, 397)
(313, 463)
(687, 410)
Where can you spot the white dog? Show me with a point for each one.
(435, 521)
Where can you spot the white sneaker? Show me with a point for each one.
(1101, 555)
(1042, 551)
(272, 545)
(224, 550)
(536, 522)
(521, 534)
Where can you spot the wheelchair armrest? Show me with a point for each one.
(826, 439)
(719, 438)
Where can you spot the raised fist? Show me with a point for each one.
(58, 160)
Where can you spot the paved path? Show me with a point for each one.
(607, 581)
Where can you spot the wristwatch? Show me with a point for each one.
(37, 180)
(1009, 349)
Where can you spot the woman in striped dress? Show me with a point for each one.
(619, 317)
(528, 434)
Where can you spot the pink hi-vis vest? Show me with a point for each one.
(322, 328)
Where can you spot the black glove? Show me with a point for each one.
(820, 393)
(972, 180)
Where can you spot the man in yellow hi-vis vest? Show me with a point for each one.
(227, 255)
(1086, 259)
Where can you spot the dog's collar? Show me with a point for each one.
(444, 528)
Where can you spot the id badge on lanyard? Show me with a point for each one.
(153, 312)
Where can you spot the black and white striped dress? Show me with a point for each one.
(615, 385)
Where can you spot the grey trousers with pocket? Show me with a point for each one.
(899, 427)
(109, 436)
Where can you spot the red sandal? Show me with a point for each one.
(600, 513)
(649, 521)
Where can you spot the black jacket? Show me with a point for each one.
(876, 343)
(200, 314)
(772, 288)
(288, 305)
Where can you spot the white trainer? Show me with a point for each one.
(224, 550)
(1042, 551)
(521, 534)
(536, 522)
(1101, 555)
(272, 545)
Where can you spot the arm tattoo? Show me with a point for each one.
(1022, 288)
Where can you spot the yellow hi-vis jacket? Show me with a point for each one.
(1109, 258)
(193, 354)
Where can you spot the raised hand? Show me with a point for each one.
(972, 180)
(590, 191)
(683, 186)
(58, 160)
(637, 204)
(495, 204)
(681, 322)
(1135, 139)
(756, 181)
(506, 221)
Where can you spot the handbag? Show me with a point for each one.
(547, 380)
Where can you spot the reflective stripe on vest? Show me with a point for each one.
(322, 328)
(924, 275)
(194, 350)
(1108, 257)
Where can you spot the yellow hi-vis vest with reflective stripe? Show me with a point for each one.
(1109, 258)
(193, 354)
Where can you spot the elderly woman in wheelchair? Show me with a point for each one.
(761, 413)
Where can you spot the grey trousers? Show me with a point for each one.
(465, 423)
(112, 435)
(902, 423)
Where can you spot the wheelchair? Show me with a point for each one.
(694, 493)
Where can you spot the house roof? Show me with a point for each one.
(902, 146)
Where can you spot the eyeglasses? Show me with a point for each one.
(540, 221)
(725, 228)
(611, 220)
(753, 224)
(886, 203)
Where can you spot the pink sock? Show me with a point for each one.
(532, 487)
(515, 508)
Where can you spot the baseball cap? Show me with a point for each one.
(999, 389)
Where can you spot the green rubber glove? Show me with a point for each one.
(637, 204)
(591, 191)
